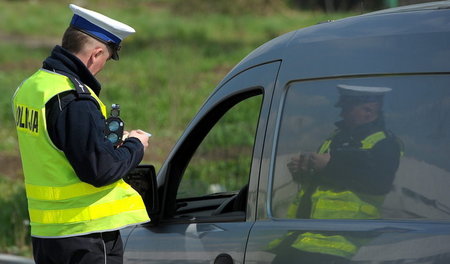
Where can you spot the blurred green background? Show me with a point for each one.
(181, 50)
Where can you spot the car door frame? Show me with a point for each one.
(259, 79)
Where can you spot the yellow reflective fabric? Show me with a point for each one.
(367, 143)
(86, 213)
(276, 242)
(337, 205)
(59, 204)
(293, 207)
(328, 204)
(346, 204)
(325, 147)
(67, 192)
(341, 205)
(373, 139)
(113, 222)
(332, 245)
(102, 105)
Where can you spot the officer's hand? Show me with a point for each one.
(141, 135)
(125, 135)
(319, 161)
(298, 164)
(293, 165)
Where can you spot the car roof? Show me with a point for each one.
(400, 40)
(416, 7)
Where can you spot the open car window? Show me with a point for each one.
(215, 181)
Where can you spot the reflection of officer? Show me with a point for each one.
(77, 200)
(348, 176)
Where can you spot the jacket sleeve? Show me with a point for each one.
(77, 130)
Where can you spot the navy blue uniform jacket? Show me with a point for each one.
(76, 126)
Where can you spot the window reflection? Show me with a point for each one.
(354, 167)
(347, 177)
(409, 167)
(366, 148)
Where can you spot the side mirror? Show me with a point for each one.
(143, 180)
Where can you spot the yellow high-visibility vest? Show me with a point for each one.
(328, 204)
(59, 203)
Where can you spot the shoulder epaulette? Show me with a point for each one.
(82, 92)
(80, 87)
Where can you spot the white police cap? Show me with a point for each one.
(354, 90)
(101, 27)
(351, 94)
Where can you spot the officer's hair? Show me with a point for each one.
(74, 40)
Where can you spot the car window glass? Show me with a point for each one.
(222, 161)
(334, 162)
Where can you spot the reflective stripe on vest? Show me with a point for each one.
(332, 245)
(293, 207)
(328, 204)
(59, 204)
(366, 143)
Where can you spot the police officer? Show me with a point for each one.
(77, 199)
(347, 177)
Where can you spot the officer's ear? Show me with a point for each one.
(97, 53)
(92, 58)
(98, 56)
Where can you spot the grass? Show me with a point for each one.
(165, 73)
(166, 70)
(14, 227)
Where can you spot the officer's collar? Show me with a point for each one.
(64, 62)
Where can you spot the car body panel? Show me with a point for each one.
(348, 45)
(188, 243)
(395, 241)
(407, 41)
(192, 240)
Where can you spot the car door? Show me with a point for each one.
(209, 181)
(407, 213)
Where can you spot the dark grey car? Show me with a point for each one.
(225, 193)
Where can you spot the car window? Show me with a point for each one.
(222, 161)
(364, 148)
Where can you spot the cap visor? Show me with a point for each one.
(115, 55)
